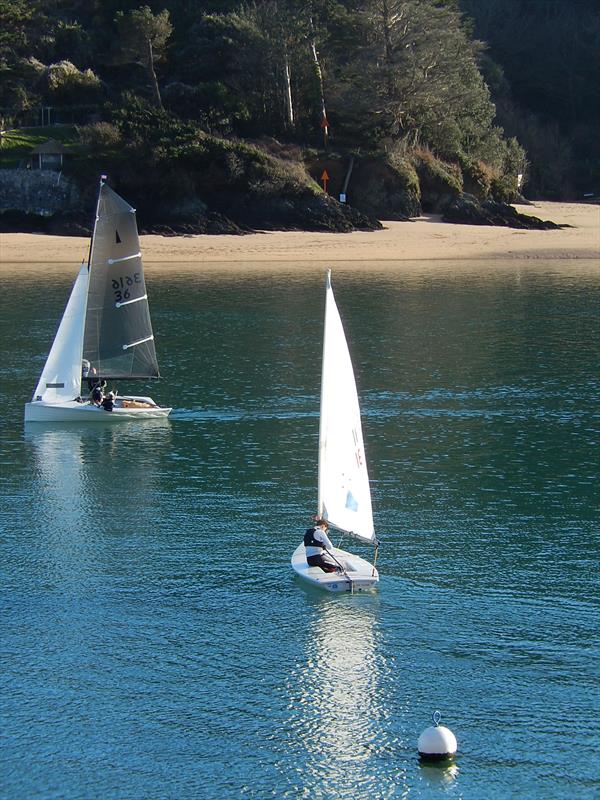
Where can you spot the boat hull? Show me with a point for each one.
(360, 575)
(126, 408)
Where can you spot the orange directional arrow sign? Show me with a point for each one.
(324, 178)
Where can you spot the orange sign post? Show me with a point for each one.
(325, 178)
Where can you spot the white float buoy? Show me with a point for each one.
(437, 742)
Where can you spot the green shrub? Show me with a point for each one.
(439, 181)
(504, 188)
(477, 178)
(67, 84)
(99, 136)
(428, 166)
(404, 168)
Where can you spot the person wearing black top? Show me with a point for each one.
(97, 393)
(317, 543)
(108, 403)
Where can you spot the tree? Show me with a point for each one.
(143, 40)
(257, 61)
(280, 26)
(221, 64)
(414, 76)
(550, 93)
(24, 28)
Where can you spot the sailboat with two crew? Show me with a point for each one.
(344, 494)
(105, 333)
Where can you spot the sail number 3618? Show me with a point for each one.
(121, 286)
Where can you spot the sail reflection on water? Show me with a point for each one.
(86, 483)
(338, 713)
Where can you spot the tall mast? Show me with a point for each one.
(90, 256)
(91, 251)
(321, 420)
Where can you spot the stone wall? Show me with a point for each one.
(39, 192)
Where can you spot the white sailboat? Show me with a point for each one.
(344, 495)
(105, 326)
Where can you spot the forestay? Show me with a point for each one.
(344, 493)
(61, 377)
(118, 342)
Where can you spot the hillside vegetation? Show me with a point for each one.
(222, 116)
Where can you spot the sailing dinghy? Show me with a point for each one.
(344, 494)
(105, 326)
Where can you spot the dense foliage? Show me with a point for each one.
(464, 83)
(543, 68)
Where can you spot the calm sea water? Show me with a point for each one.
(154, 641)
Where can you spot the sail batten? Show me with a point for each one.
(344, 492)
(128, 302)
(124, 258)
(135, 344)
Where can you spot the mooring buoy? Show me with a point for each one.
(437, 742)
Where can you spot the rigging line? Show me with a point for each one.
(348, 578)
(93, 238)
(375, 558)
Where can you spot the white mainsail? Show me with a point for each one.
(60, 380)
(344, 492)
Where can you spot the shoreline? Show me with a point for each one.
(423, 239)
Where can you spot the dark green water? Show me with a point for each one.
(155, 643)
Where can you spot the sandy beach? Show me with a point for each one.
(423, 239)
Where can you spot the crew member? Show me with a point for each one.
(108, 403)
(317, 543)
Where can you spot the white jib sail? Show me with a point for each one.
(60, 380)
(344, 492)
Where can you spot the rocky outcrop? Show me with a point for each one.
(467, 210)
(309, 213)
(371, 186)
(48, 202)
(38, 210)
(42, 201)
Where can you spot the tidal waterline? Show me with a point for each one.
(155, 642)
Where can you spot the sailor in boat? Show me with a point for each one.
(88, 373)
(317, 543)
(108, 402)
(97, 393)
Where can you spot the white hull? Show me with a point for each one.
(72, 411)
(359, 576)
